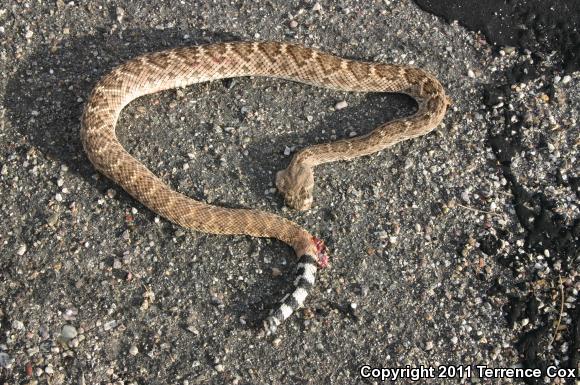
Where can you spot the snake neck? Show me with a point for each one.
(296, 182)
(432, 106)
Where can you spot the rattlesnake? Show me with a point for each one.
(183, 66)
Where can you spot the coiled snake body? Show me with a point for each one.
(180, 67)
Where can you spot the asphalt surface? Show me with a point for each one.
(459, 247)
(544, 27)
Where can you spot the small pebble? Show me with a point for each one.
(293, 24)
(70, 314)
(69, 332)
(465, 196)
(525, 321)
(120, 14)
(429, 345)
(340, 105)
(364, 291)
(52, 219)
(18, 325)
(287, 151)
(44, 332)
(133, 350)
(566, 79)
(219, 368)
(317, 7)
(509, 49)
(49, 370)
(470, 73)
(109, 325)
(21, 250)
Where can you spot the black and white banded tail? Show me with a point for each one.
(306, 275)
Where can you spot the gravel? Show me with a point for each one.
(426, 238)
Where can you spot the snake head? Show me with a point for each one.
(296, 184)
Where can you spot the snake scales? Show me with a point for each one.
(180, 67)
